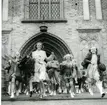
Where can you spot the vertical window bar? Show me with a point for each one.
(61, 9)
(38, 9)
(98, 9)
(86, 9)
(44, 9)
(49, 9)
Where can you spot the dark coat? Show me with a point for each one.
(87, 60)
(26, 65)
(101, 67)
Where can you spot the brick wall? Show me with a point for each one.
(67, 31)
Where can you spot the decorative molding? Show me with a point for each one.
(89, 37)
(89, 34)
(89, 30)
(46, 21)
(6, 31)
(43, 28)
(50, 41)
(5, 39)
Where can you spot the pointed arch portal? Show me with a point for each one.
(52, 43)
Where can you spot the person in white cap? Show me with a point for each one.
(76, 76)
(66, 69)
(92, 61)
(7, 68)
(53, 73)
(16, 78)
(14, 75)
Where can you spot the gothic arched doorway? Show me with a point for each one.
(51, 43)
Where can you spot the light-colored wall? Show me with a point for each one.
(67, 31)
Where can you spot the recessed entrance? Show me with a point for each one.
(51, 43)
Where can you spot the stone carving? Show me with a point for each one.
(5, 39)
(83, 36)
(93, 36)
(83, 49)
(87, 40)
(88, 36)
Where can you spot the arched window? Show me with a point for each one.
(37, 10)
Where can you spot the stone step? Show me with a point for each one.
(35, 97)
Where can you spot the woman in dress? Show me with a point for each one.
(40, 74)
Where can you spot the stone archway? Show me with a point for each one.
(51, 43)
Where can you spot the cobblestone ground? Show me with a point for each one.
(58, 102)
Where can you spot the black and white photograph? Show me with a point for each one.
(53, 52)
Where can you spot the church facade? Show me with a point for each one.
(64, 26)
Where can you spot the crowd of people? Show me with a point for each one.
(39, 74)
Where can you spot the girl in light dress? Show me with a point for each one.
(40, 74)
